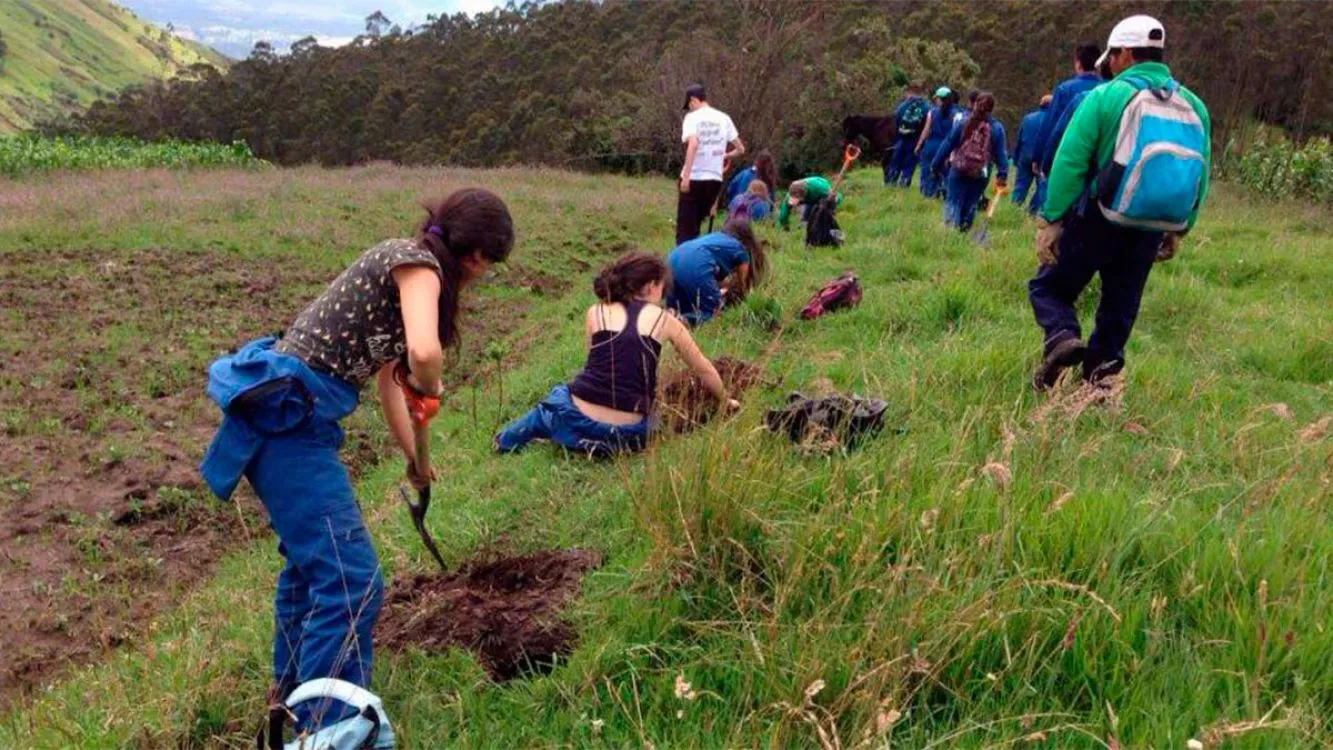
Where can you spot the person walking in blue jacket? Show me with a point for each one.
(1085, 77)
(909, 120)
(1025, 156)
(939, 121)
(1046, 162)
(973, 146)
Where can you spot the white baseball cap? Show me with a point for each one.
(1134, 32)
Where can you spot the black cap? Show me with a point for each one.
(694, 91)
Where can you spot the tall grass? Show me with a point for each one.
(994, 569)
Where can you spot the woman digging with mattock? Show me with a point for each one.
(389, 315)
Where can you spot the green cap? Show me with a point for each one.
(943, 91)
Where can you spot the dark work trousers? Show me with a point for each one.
(904, 159)
(887, 160)
(1122, 257)
(692, 208)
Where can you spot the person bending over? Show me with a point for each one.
(388, 316)
(606, 409)
(699, 267)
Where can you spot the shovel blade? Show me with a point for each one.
(418, 510)
(982, 236)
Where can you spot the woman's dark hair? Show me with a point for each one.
(767, 170)
(622, 280)
(468, 221)
(981, 111)
(946, 110)
(740, 229)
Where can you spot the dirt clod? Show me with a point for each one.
(686, 403)
(505, 611)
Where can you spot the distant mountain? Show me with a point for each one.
(60, 55)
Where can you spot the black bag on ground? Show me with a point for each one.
(822, 230)
(840, 418)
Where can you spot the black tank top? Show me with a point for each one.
(621, 372)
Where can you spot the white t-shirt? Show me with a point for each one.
(714, 130)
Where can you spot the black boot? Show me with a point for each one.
(1062, 355)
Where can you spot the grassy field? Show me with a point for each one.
(996, 568)
(63, 54)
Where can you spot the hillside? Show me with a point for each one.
(995, 569)
(63, 54)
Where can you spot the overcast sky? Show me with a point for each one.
(233, 26)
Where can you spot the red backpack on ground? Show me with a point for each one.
(973, 155)
(844, 291)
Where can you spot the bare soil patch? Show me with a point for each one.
(686, 404)
(505, 611)
(104, 521)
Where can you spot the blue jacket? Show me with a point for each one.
(263, 393)
(740, 183)
(1061, 98)
(939, 129)
(1058, 132)
(1029, 130)
(999, 156)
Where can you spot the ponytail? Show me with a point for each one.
(468, 221)
(627, 276)
(981, 111)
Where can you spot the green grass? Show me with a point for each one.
(64, 54)
(21, 155)
(995, 568)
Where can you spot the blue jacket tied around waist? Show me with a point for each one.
(262, 394)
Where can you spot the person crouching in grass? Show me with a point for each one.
(607, 408)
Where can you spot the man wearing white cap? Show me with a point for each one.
(1127, 181)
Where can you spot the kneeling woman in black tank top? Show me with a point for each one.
(606, 408)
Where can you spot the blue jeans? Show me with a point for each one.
(960, 206)
(887, 159)
(1038, 196)
(930, 184)
(557, 419)
(904, 162)
(330, 589)
(696, 301)
(1122, 257)
(1023, 180)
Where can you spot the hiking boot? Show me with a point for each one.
(1100, 376)
(1065, 354)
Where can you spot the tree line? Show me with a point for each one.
(597, 85)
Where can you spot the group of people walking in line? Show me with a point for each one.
(1119, 161)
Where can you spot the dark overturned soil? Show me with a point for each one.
(104, 521)
(505, 611)
(686, 404)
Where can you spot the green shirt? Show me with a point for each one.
(1091, 136)
(816, 190)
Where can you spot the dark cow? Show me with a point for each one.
(878, 132)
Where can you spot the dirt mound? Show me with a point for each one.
(505, 611)
(686, 403)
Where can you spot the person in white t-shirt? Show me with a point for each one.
(711, 141)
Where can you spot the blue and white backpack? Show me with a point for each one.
(368, 729)
(1157, 168)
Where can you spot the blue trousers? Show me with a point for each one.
(904, 161)
(557, 419)
(1091, 245)
(330, 590)
(960, 204)
(697, 300)
(1024, 180)
(887, 160)
(930, 184)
